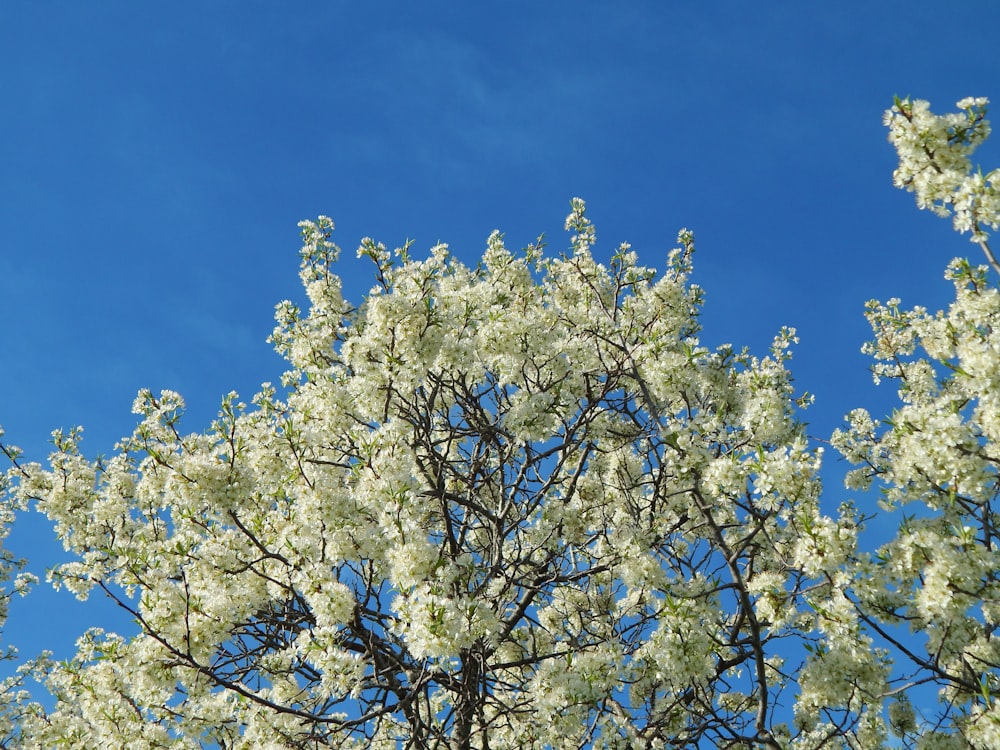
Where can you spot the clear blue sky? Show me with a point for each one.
(155, 159)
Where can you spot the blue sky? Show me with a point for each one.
(156, 159)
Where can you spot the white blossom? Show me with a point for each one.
(519, 501)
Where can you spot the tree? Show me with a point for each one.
(521, 506)
(511, 506)
(936, 458)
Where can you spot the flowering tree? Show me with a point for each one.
(936, 458)
(505, 507)
(520, 506)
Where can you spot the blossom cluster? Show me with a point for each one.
(934, 162)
